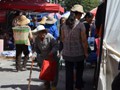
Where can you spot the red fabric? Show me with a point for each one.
(48, 70)
(31, 6)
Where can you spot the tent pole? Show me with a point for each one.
(100, 52)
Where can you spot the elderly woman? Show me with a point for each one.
(46, 46)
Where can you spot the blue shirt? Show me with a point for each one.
(52, 29)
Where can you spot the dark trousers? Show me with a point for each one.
(19, 49)
(79, 67)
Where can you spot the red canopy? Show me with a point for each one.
(2, 16)
(93, 11)
(30, 5)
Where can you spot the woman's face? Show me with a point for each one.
(78, 16)
(42, 35)
(90, 20)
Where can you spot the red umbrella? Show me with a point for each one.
(93, 11)
(31, 5)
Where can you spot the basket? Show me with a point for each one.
(20, 35)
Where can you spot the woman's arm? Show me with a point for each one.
(84, 42)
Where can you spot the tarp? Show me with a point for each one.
(112, 26)
(111, 53)
(30, 5)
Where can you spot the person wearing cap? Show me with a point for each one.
(50, 23)
(22, 35)
(74, 47)
(46, 46)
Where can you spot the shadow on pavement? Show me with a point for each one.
(22, 87)
(35, 80)
(7, 70)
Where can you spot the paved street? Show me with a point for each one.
(12, 80)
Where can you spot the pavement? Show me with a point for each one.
(12, 80)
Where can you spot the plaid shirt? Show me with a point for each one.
(72, 45)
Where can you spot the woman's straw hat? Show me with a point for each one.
(43, 21)
(22, 20)
(77, 8)
(50, 20)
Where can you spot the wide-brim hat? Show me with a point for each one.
(22, 20)
(39, 28)
(77, 8)
(43, 21)
(50, 20)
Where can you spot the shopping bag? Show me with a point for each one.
(48, 70)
